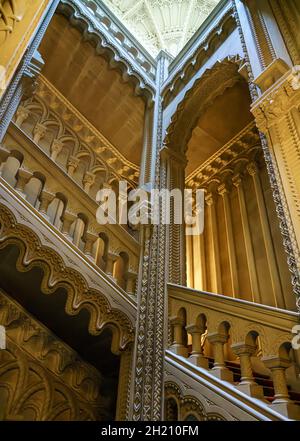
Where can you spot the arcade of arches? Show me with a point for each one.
(114, 322)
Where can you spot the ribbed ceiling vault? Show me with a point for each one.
(162, 24)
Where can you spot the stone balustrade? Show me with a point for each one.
(242, 343)
(72, 141)
(69, 208)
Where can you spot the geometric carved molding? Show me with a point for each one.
(53, 383)
(189, 405)
(57, 275)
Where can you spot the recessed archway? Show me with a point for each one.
(240, 254)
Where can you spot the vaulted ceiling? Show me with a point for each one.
(224, 119)
(162, 24)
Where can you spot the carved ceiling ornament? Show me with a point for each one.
(180, 77)
(58, 275)
(162, 24)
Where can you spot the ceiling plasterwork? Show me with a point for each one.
(162, 24)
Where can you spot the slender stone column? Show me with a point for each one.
(174, 164)
(272, 52)
(90, 238)
(269, 247)
(223, 191)
(197, 356)
(282, 402)
(4, 154)
(247, 384)
(151, 330)
(111, 258)
(131, 277)
(145, 174)
(23, 177)
(219, 369)
(287, 14)
(262, 38)
(214, 238)
(177, 346)
(46, 197)
(67, 220)
(255, 291)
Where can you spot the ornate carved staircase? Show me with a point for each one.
(239, 351)
(246, 346)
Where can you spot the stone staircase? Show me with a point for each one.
(242, 344)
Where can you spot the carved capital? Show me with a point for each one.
(39, 132)
(252, 169)
(275, 104)
(56, 148)
(237, 180)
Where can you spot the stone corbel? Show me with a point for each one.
(271, 74)
(277, 101)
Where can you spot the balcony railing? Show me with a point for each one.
(246, 344)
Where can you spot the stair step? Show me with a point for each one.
(261, 379)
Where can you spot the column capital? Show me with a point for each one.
(21, 115)
(91, 236)
(39, 132)
(47, 195)
(112, 256)
(276, 362)
(223, 189)
(72, 163)
(56, 148)
(276, 103)
(243, 349)
(88, 180)
(177, 321)
(237, 180)
(252, 168)
(4, 153)
(57, 145)
(210, 199)
(194, 329)
(217, 338)
(167, 153)
(131, 274)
